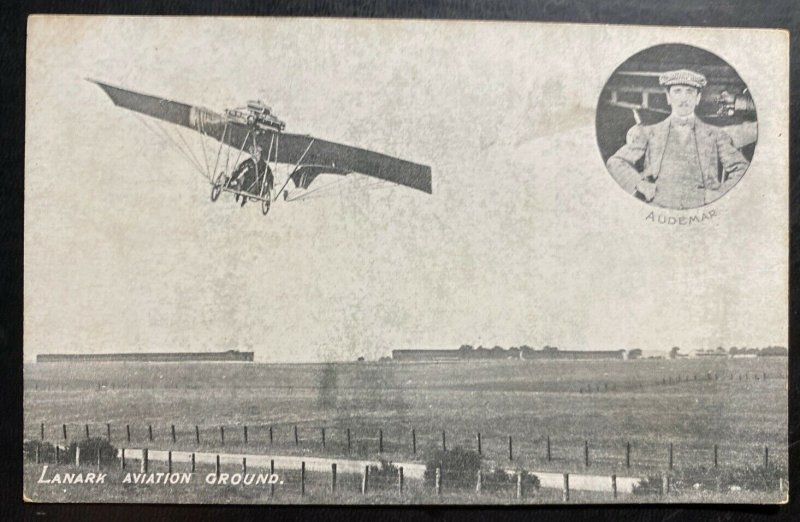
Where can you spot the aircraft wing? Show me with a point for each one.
(171, 111)
(335, 158)
(297, 149)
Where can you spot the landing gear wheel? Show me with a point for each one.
(266, 203)
(216, 190)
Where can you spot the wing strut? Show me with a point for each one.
(297, 165)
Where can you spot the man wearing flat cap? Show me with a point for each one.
(687, 162)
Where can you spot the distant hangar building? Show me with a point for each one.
(548, 353)
(573, 354)
(426, 355)
(228, 356)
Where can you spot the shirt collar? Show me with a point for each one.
(686, 121)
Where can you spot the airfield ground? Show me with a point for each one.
(739, 405)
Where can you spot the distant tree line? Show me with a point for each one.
(767, 351)
(498, 352)
(734, 351)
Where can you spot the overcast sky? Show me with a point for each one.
(526, 238)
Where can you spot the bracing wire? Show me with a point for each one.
(169, 138)
(180, 135)
(203, 143)
(327, 189)
(325, 195)
(164, 135)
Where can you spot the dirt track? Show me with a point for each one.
(414, 471)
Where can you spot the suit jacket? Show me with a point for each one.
(721, 163)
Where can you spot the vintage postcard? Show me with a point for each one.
(287, 261)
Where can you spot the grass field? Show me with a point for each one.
(693, 404)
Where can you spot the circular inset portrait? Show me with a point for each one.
(676, 126)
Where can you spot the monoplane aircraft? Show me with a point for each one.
(255, 132)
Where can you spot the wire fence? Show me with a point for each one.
(544, 451)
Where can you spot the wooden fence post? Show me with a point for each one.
(270, 435)
(41, 431)
(244, 432)
(271, 474)
(296, 438)
(380, 441)
(365, 481)
(144, 463)
(86, 426)
(108, 431)
(519, 484)
(64, 430)
(766, 457)
(565, 490)
(614, 485)
(444, 441)
(244, 465)
(586, 453)
(670, 456)
(323, 437)
(122, 460)
(77, 455)
(510, 449)
(479, 444)
(169, 461)
(222, 435)
(400, 480)
(128, 432)
(438, 481)
(58, 451)
(627, 454)
(216, 468)
(193, 462)
(479, 485)
(197, 434)
(414, 440)
(715, 456)
(348, 441)
(173, 433)
(302, 478)
(333, 478)
(549, 456)
(150, 432)
(38, 456)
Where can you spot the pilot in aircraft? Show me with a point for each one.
(244, 177)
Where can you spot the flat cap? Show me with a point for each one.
(682, 77)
